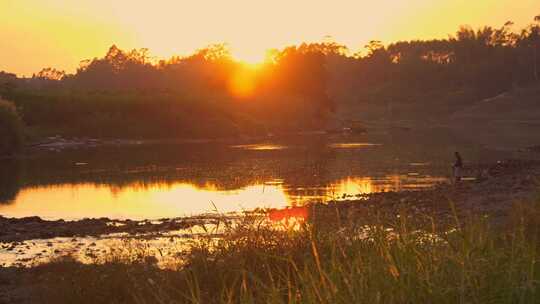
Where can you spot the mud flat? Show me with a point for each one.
(31, 228)
(491, 190)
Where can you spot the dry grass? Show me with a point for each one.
(379, 260)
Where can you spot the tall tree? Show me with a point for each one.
(536, 42)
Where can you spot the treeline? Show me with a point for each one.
(209, 94)
(441, 76)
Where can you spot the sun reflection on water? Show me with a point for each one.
(167, 200)
(161, 200)
(260, 147)
(355, 186)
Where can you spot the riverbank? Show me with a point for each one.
(434, 245)
(489, 189)
(32, 228)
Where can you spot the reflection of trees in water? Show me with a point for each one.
(221, 170)
(310, 175)
(150, 166)
(307, 167)
(10, 181)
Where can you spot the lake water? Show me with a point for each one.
(172, 180)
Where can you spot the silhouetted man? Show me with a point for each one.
(458, 166)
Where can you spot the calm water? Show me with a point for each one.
(159, 181)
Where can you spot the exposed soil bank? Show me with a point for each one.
(494, 190)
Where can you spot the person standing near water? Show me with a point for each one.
(458, 166)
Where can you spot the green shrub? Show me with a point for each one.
(11, 129)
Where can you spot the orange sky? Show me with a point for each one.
(60, 33)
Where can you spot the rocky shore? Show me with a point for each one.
(493, 192)
(31, 228)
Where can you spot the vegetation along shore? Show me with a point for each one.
(468, 242)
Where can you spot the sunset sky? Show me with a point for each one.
(60, 33)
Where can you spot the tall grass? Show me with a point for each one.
(368, 261)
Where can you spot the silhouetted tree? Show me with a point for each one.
(535, 37)
(10, 180)
(126, 93)
(11, 129)
(50, 74)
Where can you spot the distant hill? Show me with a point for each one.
(511, 118)
(518, 106)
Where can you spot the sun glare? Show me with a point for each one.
(243, 80)
(249, 56)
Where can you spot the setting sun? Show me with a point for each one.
(243, 80)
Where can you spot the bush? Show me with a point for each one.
(11, 129)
